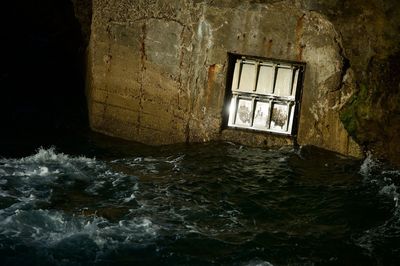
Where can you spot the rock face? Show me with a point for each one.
(157, 69)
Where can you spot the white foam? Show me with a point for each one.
(117, 181)
(50, 155)
(367, 166)
(95, 187)
(43, 164)
(50, 228)
(389, 190)
(392, 172)
(258, 263)
(34, 177)
(385, 180)
(130, 198)
(282, 159)
(43, 171)
(4, 194)
(40, 171)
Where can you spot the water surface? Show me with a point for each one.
(108, 203)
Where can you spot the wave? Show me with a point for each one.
(384, 181)
(382, 177)
(43, 204)
(65, 209)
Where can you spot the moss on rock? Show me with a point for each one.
(372, 114)
(358, 108)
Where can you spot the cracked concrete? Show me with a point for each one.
(165, 77)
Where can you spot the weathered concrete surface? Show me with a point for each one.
(157, 68)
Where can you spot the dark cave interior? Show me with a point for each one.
(41, 69)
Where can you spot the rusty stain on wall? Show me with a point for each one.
(210, 83)
(269, 47)
(299, 35)
(143, 58)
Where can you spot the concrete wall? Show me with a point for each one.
(157, 69)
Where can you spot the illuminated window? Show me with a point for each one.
(265, 95)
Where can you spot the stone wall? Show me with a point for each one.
(157, 69)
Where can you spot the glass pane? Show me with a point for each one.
(261, 115)
(283, 82)
(243, 113)
(291, 117)
(232, 111)
(295, 80)
(279, 117)
(265, 80)
(247, 77)
(236, 75)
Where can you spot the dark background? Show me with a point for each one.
(41, 72)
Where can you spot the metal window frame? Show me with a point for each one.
(276, 120)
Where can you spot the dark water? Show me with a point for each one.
(111, 203)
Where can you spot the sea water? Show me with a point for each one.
(202, 204)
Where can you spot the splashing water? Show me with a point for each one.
(384, 237)
(49, 203)
(212, 204)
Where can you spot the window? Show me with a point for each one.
(265, 95)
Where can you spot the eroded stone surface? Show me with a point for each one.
(157, 69)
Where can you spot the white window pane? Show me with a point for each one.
(236, 75)
(261, 115)
(265, 80)
(232, 111)
(279, 117)
(243, 113)
(295, 81)
(291, 118)
(247, 77)
(283, 82)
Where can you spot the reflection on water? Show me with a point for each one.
(210, 204)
